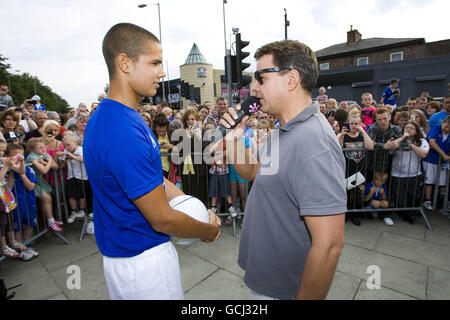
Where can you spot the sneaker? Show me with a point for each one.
(427, 205)
(26, 255)
(81, 214)
(72, 217)
(228, 221)
(59, 223)
(55, 227)
(232, 212)
(90, 228)
(444, 212)
(91, 215)
(35, 253)
(388, 221)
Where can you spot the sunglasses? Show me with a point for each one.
(259, 72)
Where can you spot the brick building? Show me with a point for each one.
(366, 65)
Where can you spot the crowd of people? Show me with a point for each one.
(395, 149)
(36, 147)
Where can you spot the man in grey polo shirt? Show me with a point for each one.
(293, 229)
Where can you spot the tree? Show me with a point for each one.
(24, 86)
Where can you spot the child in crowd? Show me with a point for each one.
(77, 181)
(322, 97)
(42, 163)
(72, 128)
(219, 181)
(376, 192)
(368, 111)
(263, 132)
(7, 205)
(403, 118)
(25, 212)
(439, 140)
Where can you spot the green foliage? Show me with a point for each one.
(24, 86)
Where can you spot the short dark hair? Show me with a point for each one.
(294, 54)
(394, 80)
(160, 120)
(124, 38)
(12, 146)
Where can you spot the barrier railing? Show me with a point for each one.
(32, 215)
(398, 172)
(198, 184)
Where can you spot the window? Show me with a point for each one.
(363, 61)
(397, 56)
(324, 66)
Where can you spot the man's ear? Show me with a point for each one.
(294, 79)
(123, 62)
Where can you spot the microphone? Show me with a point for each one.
(248, 107)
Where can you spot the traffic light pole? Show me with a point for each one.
(229, 80)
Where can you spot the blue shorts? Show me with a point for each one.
(23, 217)
(234, 176)
(219, 182)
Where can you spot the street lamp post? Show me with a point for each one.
(286, 24)
(160, 39)
(228, 59)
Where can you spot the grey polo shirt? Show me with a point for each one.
(301, 174)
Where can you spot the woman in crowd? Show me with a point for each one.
(81, 127)
(8, 121)
(356, 160)
(161, 131)
(357, 112)
(194, 173)
(203, 113)
(147, 118)
(407, 170)
(419, 117)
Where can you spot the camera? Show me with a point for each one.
(49, 133)
(347, 125)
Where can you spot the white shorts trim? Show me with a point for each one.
(257, 296)
(152, 275)
(430, 177)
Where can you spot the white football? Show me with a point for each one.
(194, 208)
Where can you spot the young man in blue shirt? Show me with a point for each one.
(132, 217)
(391, 93)
(437, 118)
(439, 140)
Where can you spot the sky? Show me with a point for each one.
(60, 42)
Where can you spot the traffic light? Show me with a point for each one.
(240, 65)
(185, 92)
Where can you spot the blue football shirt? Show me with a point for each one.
(123, 162)
(436, 133)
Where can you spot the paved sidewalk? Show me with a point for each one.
(414, 264)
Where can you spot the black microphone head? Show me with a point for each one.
(250, 105)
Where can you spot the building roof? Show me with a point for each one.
(195, 56)
(365, 45)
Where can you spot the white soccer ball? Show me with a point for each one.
(194, 208)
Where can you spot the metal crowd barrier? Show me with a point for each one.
(41, 227)
(406, 186)
(197, 184)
